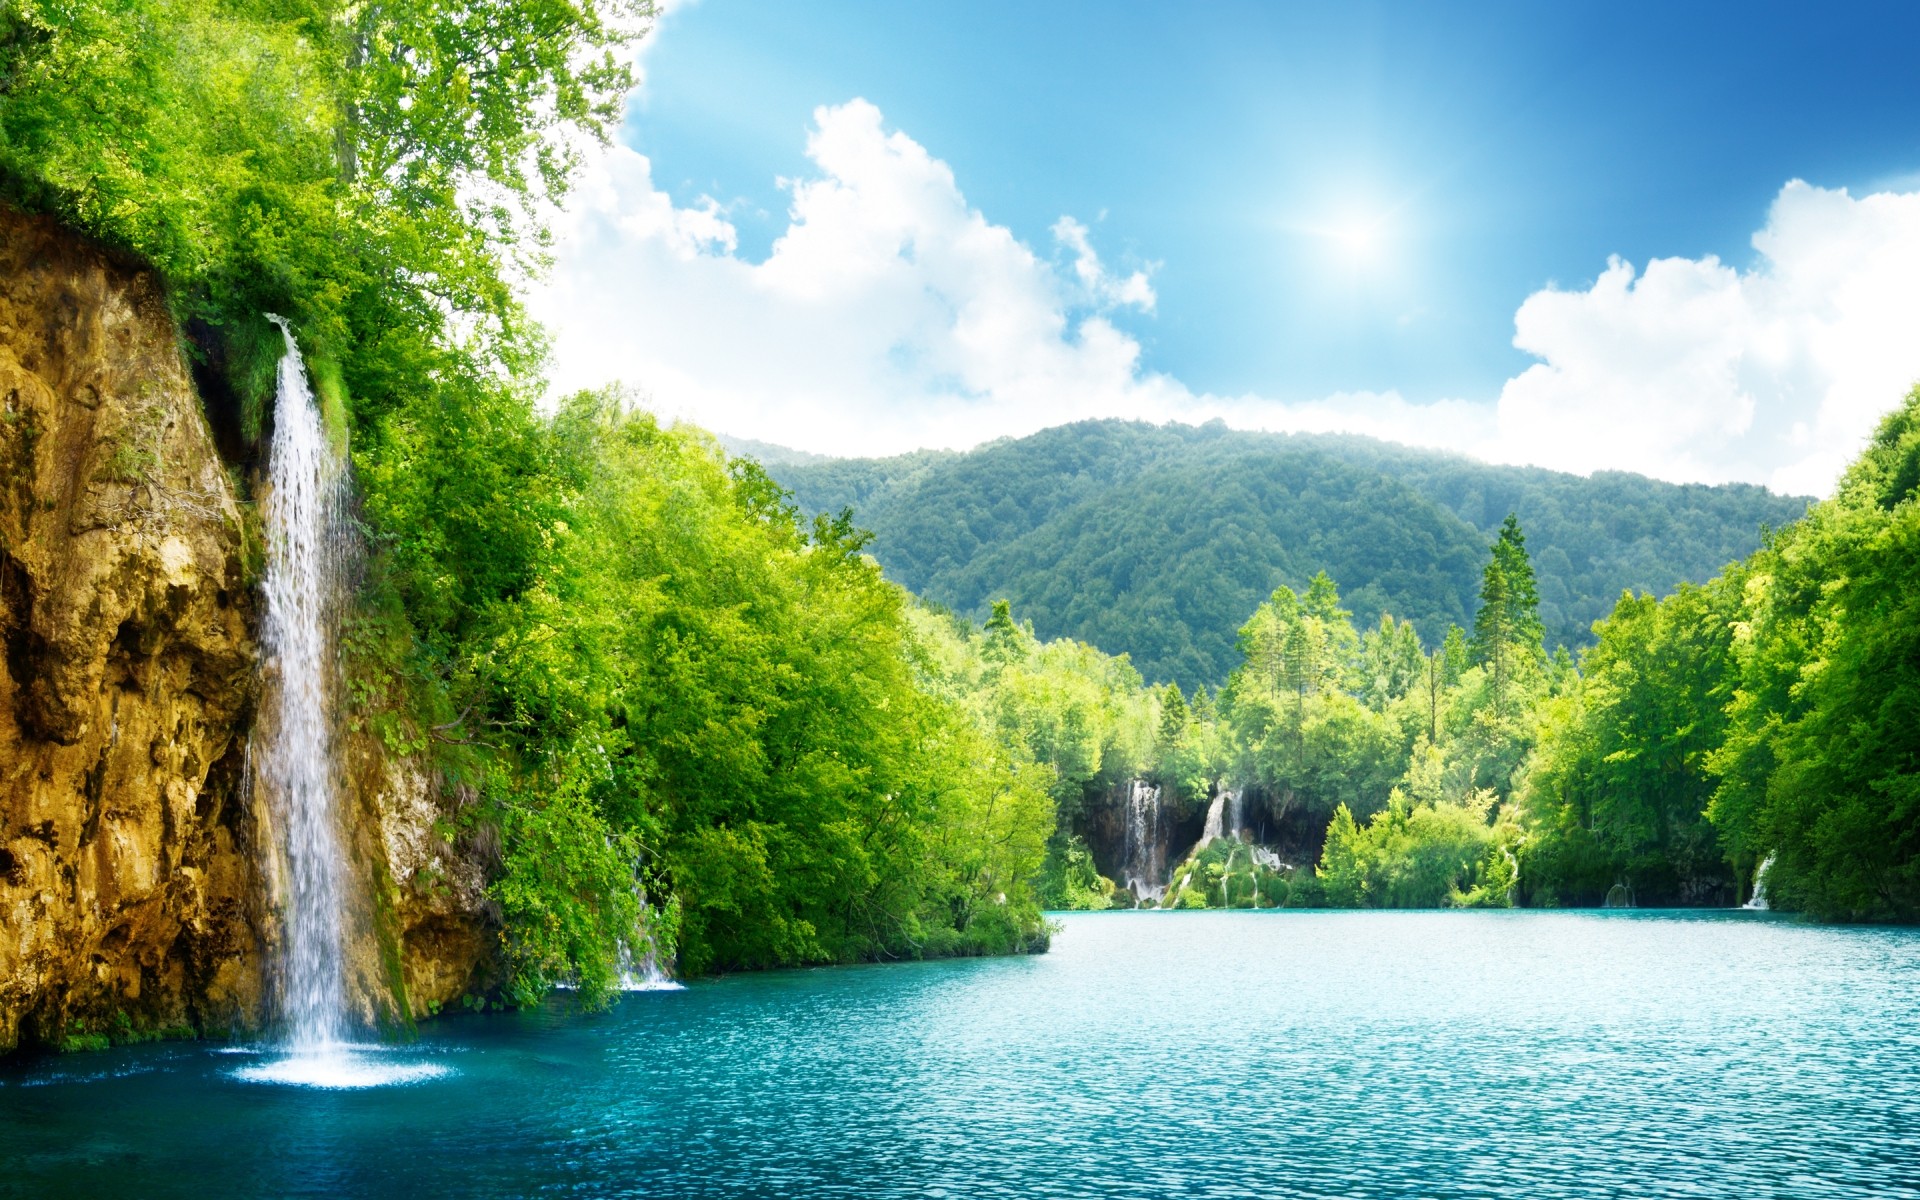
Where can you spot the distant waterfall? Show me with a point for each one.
(294, 760)
(1222, 816)
(1758, 901)
(1143, 862)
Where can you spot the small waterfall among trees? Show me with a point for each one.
(1758, 901)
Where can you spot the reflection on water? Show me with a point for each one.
(1632, 1053)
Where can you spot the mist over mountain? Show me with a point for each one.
(1158, 541)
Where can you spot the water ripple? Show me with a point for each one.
(1429, 1055)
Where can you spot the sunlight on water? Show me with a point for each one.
(1466, 1055)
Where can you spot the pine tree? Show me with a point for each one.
(1506, 631)
(1173, 715)
(1004, 641)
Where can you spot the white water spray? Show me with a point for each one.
(1758, 901)
(1223, 819)
(295, 759)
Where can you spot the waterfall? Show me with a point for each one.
(1143, 861)
(1218, 818)
(1269, 859)
(644, 972)
(1236, 823)
(294, 761)
(1758, 901)
(291, 756)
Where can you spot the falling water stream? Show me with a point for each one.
(1144, 864)
(295, 759)
(292, 756)
(640, 967)
(1758, 901)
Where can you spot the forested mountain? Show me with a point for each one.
(1158, 540)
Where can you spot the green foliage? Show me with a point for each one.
(1157, 541)
(370, 171)
(697, 682)
(1420, 855)
(1618, 790)
(1300, 736)
(1229, 873)
(1819, 766)
(1069, 880)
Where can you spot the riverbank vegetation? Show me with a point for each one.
(1756, 728)
(678, 699)
(657, 682)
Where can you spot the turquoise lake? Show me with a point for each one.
(1445, 1054)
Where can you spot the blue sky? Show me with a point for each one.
(1334, 208)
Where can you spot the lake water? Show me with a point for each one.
(1222, 1054)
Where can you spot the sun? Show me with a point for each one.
(1358, 241)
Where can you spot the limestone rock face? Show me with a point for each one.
(129, 881)
(137, 865)
(436, 933)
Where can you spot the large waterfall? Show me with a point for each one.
(293, 756)
(294, 760)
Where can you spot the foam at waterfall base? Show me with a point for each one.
(652, 985)
(343, 1067)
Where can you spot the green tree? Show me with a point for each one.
(1818, 768)
(1506, 629)
(1619, 785)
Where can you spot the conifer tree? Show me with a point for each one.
(1173, 715)
(1506, 630)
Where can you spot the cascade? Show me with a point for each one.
(291, 756)
(1144, 860)
(1758, 901)
(1269, 859)
(1216, 816)
(294, 759)
(643, 973)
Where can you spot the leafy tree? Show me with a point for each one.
(1301, 738)
(1819, 767)
(1618, 789)
(1413, 855)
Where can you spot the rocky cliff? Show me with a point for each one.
(135, 878)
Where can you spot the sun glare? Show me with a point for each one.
(1357, 241)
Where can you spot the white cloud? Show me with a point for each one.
(890, 314)
(1696, 371)
(1101, 286)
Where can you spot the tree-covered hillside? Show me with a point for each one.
(1157, 540)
